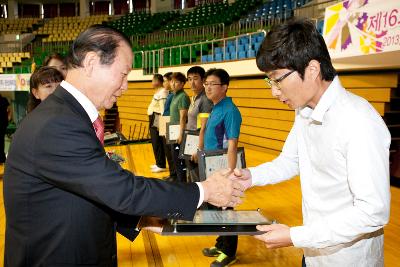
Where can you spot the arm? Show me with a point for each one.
(284, 167)
(203, 122)
(202, 132)
(232, 153)
(183, 113)
(101, 180)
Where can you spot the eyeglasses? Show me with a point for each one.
(211, 84)
(276, 82)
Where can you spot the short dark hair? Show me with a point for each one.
(97, 38)
(40, 76)
(292, 45)
(220, 73)
(53, 56)
(158, 77)
(196, 70)
(168, 75)
(179, 76)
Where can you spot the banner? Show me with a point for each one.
(362, 27)
(14, 82)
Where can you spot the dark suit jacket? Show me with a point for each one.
(62, 194)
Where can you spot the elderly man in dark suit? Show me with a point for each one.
(64, 199)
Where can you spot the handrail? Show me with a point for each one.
(218, 29)
(151, 54)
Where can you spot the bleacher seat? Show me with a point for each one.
(242, 54)
(251, 53)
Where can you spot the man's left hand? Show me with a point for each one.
(276, 236)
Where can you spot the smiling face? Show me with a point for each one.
(108, 82)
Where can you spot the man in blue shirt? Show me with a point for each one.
(222, 131)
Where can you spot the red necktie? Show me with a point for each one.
(99, 129)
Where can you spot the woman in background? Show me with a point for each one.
(56, 61)
(43, 82)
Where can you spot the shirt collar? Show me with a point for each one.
(223, 100)
(325, 102)
(82, 99)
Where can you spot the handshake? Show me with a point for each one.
(225, 188)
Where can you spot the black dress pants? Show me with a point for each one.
(179, 164)
(167, 150)
(157, 144)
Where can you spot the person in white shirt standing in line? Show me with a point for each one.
(155, 109)
(339, 145)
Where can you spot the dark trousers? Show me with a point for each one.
(303, 262)
(227, 244)
(158, 147)
(179, 164)
(192, 171)
(2, 154)
(156, 143)
(167, 150)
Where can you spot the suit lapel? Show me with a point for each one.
(63, 94)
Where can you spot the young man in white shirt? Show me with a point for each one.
(339, 145)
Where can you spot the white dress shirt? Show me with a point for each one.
(341, 151)
(93, 114)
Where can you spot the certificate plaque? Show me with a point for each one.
(190, 144)
(173, 132)
(214, 160)
(219, 222)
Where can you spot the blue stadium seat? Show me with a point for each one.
(218, 57)
(260, 38)
(257, 46)
(231, 49)
(218, 50)
(242, 54)
(251, 53)
(247, 47)
(204, 58)
(244, 40)
(210, 58)
(227, 56)
(233, 55)
(230, 43)
(241, 48)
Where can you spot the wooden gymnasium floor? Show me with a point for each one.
(281, 202)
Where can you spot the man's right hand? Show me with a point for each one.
(221, 191)
(242, 176)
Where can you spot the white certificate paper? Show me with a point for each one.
(191, 144)
(174, 131)
(218, 162)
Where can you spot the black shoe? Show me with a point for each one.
(223, 260)
(211, 252)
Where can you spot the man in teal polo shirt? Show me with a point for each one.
(222, 131)
(178, 114)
